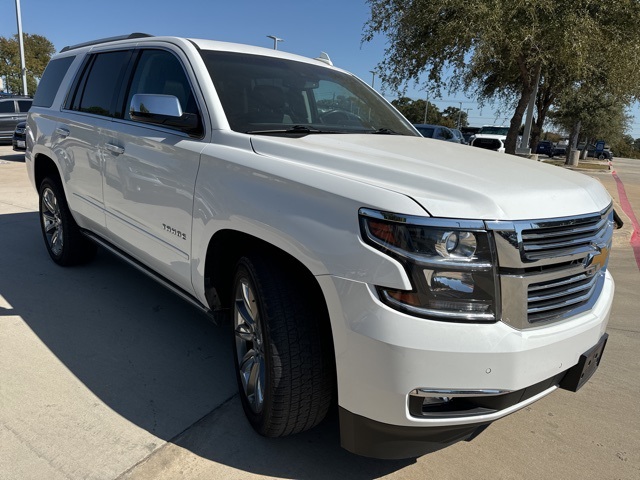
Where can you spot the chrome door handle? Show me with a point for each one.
(114, 148)
(63, 132)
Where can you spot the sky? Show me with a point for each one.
(308, 28)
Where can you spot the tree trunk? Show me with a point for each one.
(536, 133)
(573, 139)
(516, 120)
(584, 152)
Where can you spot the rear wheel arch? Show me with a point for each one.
(44, 167)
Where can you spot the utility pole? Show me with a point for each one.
(275, 41)
(21, 44)
(426, 109)
(459, 114)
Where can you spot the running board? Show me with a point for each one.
(150, 273)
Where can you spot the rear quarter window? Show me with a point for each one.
(7, 107)
(50, 82)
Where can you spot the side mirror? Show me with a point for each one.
(163, 110)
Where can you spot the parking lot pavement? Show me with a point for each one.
(103, 375)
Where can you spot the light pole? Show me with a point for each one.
(21, 44)
(426, 109)
(468, 110)
(275, 41)
(373, 77)
(459, 114)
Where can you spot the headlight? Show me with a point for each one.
(451, 264)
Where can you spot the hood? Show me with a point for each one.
(446, 179)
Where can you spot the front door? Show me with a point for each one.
(150, 174)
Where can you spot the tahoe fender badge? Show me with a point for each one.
(173, 231)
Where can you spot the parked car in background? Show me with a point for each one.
(489, 142)
(592, 151)
(545, 147)
(458, 136)
(605, 154)
(19, 138)
(468, 132)
(13, 110)
(561, 148)
(438, 132)
(490, 137)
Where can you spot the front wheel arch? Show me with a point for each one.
(224, 254)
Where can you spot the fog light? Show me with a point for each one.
(435, 401)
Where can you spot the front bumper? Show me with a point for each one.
(383, 355)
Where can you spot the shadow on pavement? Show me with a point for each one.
(154, 359)
(13, 156)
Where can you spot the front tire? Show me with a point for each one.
(281, 349)
(65, 243)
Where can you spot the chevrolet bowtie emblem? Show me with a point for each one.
(597, 260)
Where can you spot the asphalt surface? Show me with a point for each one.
(104, 375)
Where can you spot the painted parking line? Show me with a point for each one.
(626, 207)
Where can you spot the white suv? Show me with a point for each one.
(426, 291)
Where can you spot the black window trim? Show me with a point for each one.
(76, 92)
(124, 94)
(79, 82)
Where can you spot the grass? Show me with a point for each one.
(585, 165)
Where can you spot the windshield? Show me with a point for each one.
(263, 94)
(494, 130)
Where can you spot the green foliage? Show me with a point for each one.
(498, 49)
(414, 111)
(37, 52)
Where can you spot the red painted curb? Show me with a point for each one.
(626, 207)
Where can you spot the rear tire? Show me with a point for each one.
(65, 243)
(283, 356)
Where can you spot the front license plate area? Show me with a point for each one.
(580, 373)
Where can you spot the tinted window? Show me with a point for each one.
(446, 134)
(24, 105)
(50, 82)
(7, 107)
(160, 72)
(101, 83)
(262, 93)
(426, 132)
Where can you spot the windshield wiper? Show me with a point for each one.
(297, 129)
(385, 131)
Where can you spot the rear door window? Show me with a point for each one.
(97, 90)
(24, 105)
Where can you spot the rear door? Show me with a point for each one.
(150, 170)
(78, 140)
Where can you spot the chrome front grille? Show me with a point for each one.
(556, 298)
(552, 269)
(553, 240)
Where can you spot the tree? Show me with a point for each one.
(37, 52)
(414, 110)
(451, 115)
(502, 48)
(591, 117)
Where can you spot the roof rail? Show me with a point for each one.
(105, 40)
